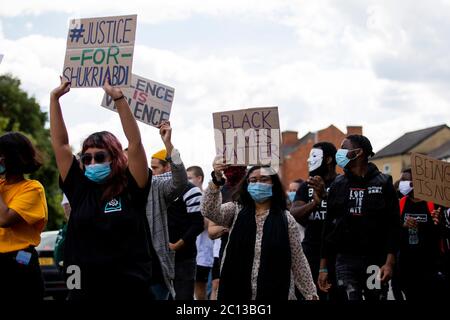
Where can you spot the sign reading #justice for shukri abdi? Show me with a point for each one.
(100, 49)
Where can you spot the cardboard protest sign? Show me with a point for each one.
(248, 136)
(1, 57)
(98, 49)
(431, 179)
(150, 101)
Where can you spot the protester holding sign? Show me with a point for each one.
(419, 243)
(23, 215)
(361, 225)
(166, 188)
(261, 231)
(185, 223)
(107, 235)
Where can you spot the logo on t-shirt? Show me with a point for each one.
(356, 200)
(318, 214)
(421, 217)
(114, 205)
(375, 190)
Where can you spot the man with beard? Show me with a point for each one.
(310, 205)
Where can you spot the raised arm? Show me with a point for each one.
(213, 209)
(172, 188)
(137, 160)
(58, 131)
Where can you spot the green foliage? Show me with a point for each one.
(19, 112)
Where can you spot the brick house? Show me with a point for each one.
(295, 151)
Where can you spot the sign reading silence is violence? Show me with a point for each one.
(150, 101)
(98, 49)
(431, 179)
(248, 136)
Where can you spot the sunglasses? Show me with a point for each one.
(99, 157)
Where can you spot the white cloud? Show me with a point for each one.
(152, 12)
(381, 64)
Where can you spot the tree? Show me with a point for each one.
(19, 112)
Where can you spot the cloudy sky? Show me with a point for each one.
(380, 64)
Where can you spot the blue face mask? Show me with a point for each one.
(98, 172)
(2, 169)
(341, 157)
(291, 195)
(260, 192)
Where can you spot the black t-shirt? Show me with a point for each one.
(314, 222)
(363, 216)
(107, 238)
(425, 241)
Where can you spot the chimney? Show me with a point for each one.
(289, 138)
(354, 130)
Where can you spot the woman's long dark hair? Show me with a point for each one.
(20, 155)
(278, 200)
(118, 180)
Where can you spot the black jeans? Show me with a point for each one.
(355, 277)
(184, 281)
(19, 282)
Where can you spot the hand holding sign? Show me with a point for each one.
(219, 166)
(113, 92)
(165, 130)
(63, 88)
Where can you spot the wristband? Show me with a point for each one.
(323, 270)
(121, 97)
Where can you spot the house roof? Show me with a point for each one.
(408, 141)
(441, 152)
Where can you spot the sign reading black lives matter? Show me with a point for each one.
(98, 49)
(150, 101)
(248, 136)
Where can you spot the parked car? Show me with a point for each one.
(54, 282)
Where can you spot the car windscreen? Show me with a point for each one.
(47, 242)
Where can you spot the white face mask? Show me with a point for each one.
(405, 187)
(315, 159)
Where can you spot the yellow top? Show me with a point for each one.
(161, 155)
(27, 198)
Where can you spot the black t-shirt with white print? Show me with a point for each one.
(425, 241)
(107, 238)
(314, 222)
